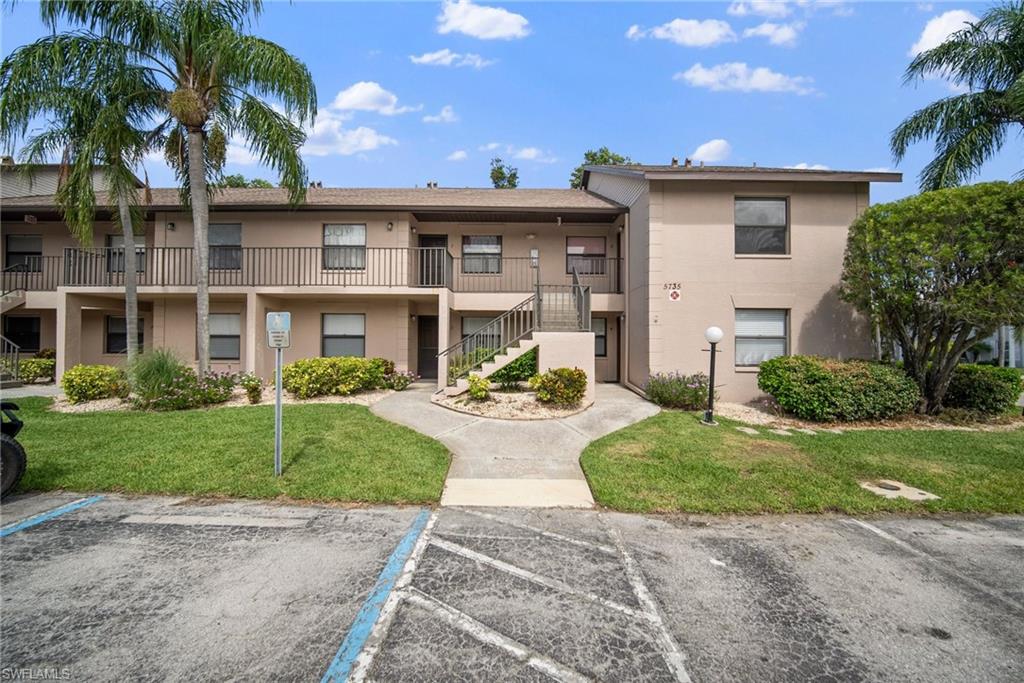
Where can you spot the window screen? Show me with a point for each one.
(225, 336)
(585, 254)
(761, 334)
(25, 251)
(344, 246)
(481, 254)
(344, 334)
(225, 246)
(117, 335)
(761, 226)
(600, 328)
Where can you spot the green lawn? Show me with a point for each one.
(670, 463)
(332, 452)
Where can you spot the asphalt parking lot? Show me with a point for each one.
(155, 588)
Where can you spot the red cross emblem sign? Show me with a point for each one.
(674, 295)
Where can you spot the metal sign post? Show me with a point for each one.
(279, 328)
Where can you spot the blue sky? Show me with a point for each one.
(411, 92)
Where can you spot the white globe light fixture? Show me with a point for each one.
(713, 335)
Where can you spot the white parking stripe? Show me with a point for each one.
(364, 660)
(469, 625)
(533, 577)
(541, 532)
(671, 653)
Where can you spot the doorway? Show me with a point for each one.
(433, 263)
(426, 336)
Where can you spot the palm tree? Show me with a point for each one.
(986, 59)
(212, 77)
(96, 113)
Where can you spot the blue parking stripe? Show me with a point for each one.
(341, 665)
(46, 516)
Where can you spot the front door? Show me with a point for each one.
(432, 264)
(427, 335)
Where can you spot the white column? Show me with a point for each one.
(69, 332)
(253, 323)
(443, 324)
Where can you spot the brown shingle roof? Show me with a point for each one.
(400, 199)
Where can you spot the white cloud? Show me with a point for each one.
(531, 154)
(446, 115)
(479, 21)
(329, 136)
(939, 28)
(370, 96)
(238, 153)
(713, 150)
(446, 57)
(784, 35)
(739, 76)
(878, 169)
(489, 147)
(925, 6)
(687, 32)
(803, 165)
(762, 8)
(457, 155)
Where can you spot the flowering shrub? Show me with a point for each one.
(479, 388)
(399, 380)
(674, 390)
(253, 385)
(338, 376)
(32, 369)
(561, 386)
(91, 382)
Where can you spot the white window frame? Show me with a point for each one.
(324, 337)
(739, 337)
(237, 337)
(344, 256)
(737, 227)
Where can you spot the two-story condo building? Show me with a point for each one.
(640, 262)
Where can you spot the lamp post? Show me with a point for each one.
(713, 335)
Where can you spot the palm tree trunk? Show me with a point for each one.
(201, 245)
(131, 296)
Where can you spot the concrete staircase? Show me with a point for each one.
(514, 351)
(11, 300)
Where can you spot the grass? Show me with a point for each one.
(332, 452)
(670, 463)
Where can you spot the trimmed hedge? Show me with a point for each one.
(984, 388)
(337, 376)
(91, 382)
(827, 390)
(561, 386)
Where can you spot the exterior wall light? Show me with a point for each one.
(391, 226)
(713, 335)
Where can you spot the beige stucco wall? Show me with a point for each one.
(567, 350)
(692, 244)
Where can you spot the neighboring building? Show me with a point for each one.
(1013, 348)
(639, 263)
(42, 181)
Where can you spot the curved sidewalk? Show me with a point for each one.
(515, 463)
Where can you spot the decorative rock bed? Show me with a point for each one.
(238, 399)
(520, 405)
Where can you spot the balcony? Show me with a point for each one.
(240, 267)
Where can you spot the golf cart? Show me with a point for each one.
(13, 461)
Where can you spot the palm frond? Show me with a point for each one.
(276, 140)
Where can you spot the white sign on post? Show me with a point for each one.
(279, 338)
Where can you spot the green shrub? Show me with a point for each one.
(479, 388)
(399, 380)
(91, 382)
(153, 373)
(983, 388)
(32, 369)
(673, 390)
(338, 376)
(519, 370)
(253, 385)
(825, 389)
(47, 353)
(561, 386)
(186, 390)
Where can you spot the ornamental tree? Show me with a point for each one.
(937, 272)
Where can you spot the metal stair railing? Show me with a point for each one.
(9, 359)
(492, 339)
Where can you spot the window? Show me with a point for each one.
(225, 246)
(481, 254)
(599, 326)
(24, 250)
(344, 246)
(225, 336)
(491, 333)
(761, 334)
(115, 257)
(344, 334)
(585, 254)
(23, 330)
(117, 335)
(761, 226)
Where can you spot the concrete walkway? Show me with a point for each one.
(515, 463)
